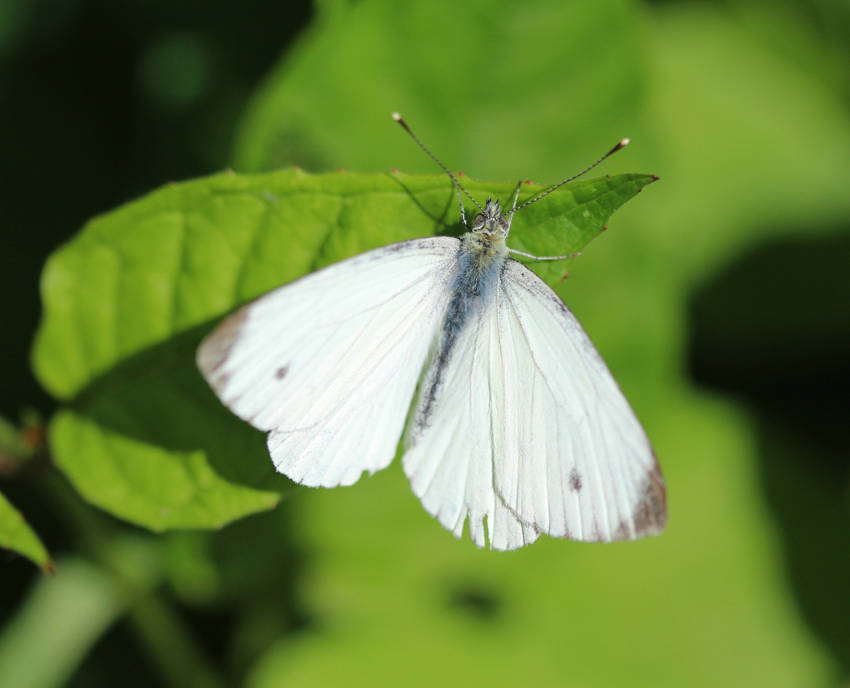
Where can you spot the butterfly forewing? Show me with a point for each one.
(329, 363)
(529, 433)
(570, 457)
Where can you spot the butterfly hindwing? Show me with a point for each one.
(449, 460)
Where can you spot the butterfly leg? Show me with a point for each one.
(533, 257)
(523, 253)
(462, 211)
(513, 209)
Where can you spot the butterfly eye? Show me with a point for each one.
(478, 222)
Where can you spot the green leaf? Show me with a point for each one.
(16, 534)
(127, 301)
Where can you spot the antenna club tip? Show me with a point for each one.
(396, 116)
(622, 143)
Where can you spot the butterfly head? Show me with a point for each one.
(491, 222)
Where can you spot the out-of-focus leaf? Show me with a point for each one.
(127, 301)
(534, 88)
(392, 578)
(16, 534)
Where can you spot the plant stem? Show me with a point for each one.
(160, 630)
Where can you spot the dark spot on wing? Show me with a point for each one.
(622, 532)
(575, 480)
(595, 530)
(281, 372)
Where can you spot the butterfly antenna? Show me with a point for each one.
(397, 117)
(546, 192)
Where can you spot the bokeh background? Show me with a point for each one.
(720, 298)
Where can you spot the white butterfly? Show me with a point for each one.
(517, 420)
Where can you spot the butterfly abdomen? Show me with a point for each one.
(479, 267)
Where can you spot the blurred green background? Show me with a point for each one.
(720, 298)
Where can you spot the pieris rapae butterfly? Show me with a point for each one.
(517, 419)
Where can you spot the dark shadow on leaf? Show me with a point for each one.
(774, 330)
(159, 397)
(475, 600)
(441, 226)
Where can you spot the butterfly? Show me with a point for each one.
(511, 421)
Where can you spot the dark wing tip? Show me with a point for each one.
(650, 515)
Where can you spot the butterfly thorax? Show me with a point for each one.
(480, 259)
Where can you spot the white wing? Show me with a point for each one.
(450, 462)
(530, 430)
(329, 363)
(570, 457)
